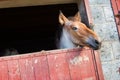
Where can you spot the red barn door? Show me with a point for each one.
(69, 64)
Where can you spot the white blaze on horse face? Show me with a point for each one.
(65, 41)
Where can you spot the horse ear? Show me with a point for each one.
(77, 16)
(62, 18)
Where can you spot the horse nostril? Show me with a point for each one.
(96, 42)
(93, 43)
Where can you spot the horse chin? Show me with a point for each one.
(95, 48)
(78, 45)
(75, 42)
(88, 47)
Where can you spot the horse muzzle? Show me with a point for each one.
(93, 43)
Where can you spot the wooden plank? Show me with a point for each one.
(98, 64)
(3, 0)
(81, 65)
(41, 68)
(13, 68)
(74, 65)
(115, 10)
(114, 6)
(58, 67)
(88, 11)
(118, 4)
(3, 70)
(26, 69)
(88, 67)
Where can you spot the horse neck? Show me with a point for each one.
(65, 40)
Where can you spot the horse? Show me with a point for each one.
(75, 33)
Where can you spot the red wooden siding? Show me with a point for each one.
(3, 70)
(81, 65)
(88, 11)
(75, 64)
(116, 8)
(41, 68)
(13, 69)
(98, 67)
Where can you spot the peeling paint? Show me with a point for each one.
(55, 57)
(36, 61)
(86, 58)
(26, 63)
(90, 78)
(76, 60)
(79, 60)
(56, 66)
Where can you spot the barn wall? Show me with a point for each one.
(105, 26)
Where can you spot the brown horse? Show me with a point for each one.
(75, 33)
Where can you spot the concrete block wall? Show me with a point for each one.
(105, 27)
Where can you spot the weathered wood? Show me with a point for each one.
(98, 66)
(87, 68)
(58, 67)
(26, 69)
(66, 64)
(81, 65)
(13, 70)
(118, 4)
(116, 9)
(3, 70)
(41, 68)
(74, 64)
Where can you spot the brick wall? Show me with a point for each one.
(105, 27)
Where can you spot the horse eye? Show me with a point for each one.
(74, 28)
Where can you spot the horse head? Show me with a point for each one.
(79, 33)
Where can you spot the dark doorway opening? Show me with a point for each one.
(33, 28)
